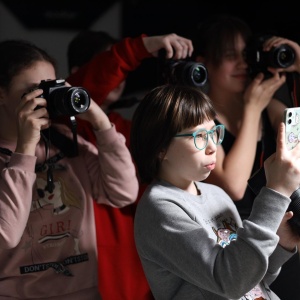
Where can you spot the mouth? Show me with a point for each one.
(243, 76)
(210, 166)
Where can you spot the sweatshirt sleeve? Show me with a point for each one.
(113, 179)
(109, 68)
(276, 260)
(16, 186)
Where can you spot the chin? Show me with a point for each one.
(203, 177)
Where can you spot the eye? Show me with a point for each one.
(230, 55)
(202, 135)
(215, 133)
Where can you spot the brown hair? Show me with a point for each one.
(17, 55)
(216, 33)
(164, 111)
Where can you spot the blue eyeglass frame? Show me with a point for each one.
(208, 132)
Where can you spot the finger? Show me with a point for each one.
(169, 51)
(281, 147)
(33, 94)
(288, 215)
(273, 42)
(258, 79)
(190, 47)
(274, 82)
(42, 112)
(279, 70)
(187, 45)
(178, 50)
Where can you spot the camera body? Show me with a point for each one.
(258, 60)
(64, 100)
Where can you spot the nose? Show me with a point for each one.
(211, 146)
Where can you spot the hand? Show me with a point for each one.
(260, 91)
(96, 116)
(31, 121)
(289, 238)
(176, 47)
(283, 167)
(276, 42)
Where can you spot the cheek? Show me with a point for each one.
(182, 152)
(11, 100)
(218, 74)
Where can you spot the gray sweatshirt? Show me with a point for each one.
(197, 247)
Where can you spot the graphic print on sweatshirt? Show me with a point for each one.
(225, 235)
(52, 236)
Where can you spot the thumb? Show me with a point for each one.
(287, 216)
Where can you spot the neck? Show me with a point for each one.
(187, 186)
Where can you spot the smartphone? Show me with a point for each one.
(291, 118)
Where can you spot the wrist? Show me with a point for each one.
(27, 149)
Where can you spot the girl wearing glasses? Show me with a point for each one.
(189, 235)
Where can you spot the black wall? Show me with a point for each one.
(159, 17)
(162, 17)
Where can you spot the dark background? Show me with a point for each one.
(154, 18)
(161, 17)
(158, 17)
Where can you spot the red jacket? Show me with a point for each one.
(120, 271)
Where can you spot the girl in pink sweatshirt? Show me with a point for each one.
(47, 226)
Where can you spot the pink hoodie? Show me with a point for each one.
(47, 238)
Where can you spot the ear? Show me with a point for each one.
(162, 155)
(200, 59)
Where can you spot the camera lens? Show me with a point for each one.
(190, 73)
(284, 56)
(199, 75)
(185, 73)
(80, 100)
(68, 101)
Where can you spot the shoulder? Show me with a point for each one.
(158, 195)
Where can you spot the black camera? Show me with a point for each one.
(185, 72)
(64, 100)
(258, 60)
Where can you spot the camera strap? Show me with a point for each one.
(67, 146)
(293, 83)
(5, 151)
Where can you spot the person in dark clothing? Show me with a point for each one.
(242, 103)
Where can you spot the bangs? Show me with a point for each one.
(194, 108)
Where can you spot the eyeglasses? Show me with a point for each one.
(201, 136)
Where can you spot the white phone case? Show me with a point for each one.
(292, 126)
